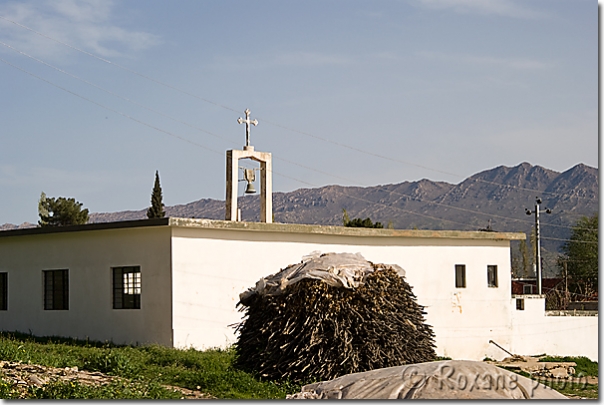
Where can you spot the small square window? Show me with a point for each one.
(127, 287)
(3, 291)
(492, 275)
(520, 304)
(460, 276)
(56, 289)
(527, 289)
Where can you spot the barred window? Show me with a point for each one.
(3, 291)
(492, 275)
(56, 289)
(460, 276)
(127, 287)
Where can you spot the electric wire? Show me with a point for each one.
(224, 138)
(221, 137)
(119, 66)
(198, 144)
(269, 121)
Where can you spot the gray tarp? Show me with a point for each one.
(449, 379)
(345, 270)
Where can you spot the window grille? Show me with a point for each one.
(460, 275)
(3, 291)
(127, 287)
(56, 289)
(492, 275)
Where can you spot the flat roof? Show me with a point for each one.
(197, 223)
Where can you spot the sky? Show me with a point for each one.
(97, 95)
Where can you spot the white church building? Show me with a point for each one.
(176, 282)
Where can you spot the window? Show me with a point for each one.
(127, 287)
(460, 275)
(3, 291)
(492, 275)
(520, 304)
(56, 289)
(527, 289)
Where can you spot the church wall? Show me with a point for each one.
(89, 257)
(211, 267)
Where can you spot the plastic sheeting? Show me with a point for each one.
(347, 270)
(449, 379)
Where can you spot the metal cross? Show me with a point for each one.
(247, 125)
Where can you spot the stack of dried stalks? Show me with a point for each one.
(316, 331)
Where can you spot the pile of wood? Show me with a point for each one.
(316, 331)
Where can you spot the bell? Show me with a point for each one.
(250, 188)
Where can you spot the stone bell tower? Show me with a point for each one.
(266, 175)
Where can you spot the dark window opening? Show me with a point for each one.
(460, 275)
(3, 291)
(492, 276)
(56, 289)
(127, 287)
(520, 304)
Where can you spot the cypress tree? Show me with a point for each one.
(157, 206)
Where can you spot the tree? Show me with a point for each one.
(358, 222)
(156, 210)
(60, 212)
(579, 258)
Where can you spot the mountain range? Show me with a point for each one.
(493, 199)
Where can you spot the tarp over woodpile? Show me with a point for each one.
(330, 315)
(449, 379)
(346, 270)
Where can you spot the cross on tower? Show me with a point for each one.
(247, 125)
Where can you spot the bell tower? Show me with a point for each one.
(266, 175)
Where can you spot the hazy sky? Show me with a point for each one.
(97, 95)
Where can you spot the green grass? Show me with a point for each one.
(585, 367)
(145, 367)
(574, 389)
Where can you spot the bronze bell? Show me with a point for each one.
(250, 188)
(250, 176)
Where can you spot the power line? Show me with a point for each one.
(113, 93)
(192, 142)
(221, 137)
(119, 66)
(269, 121)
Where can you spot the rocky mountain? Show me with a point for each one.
(493, 199)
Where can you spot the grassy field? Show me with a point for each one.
(146, 371)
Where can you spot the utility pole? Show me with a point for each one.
(538, 241)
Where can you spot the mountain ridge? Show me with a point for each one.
(494, 198)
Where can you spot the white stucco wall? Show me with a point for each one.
(212, 266)
(89, 257)
(536, 331)
(194, 270)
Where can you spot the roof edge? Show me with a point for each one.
(87, 227)
(341, 230)
(197, 223)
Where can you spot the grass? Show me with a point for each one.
(146, 368)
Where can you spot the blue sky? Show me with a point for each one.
(97, 95)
